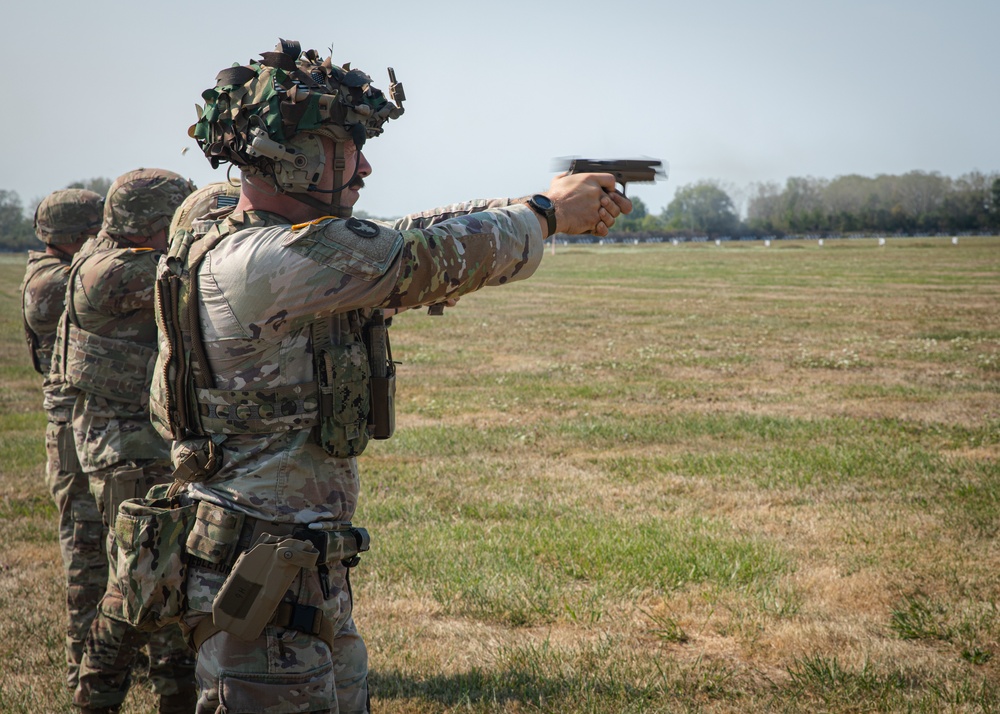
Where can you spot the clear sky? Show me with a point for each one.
(729, 90)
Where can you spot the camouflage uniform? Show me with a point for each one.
(264, 378)
(65, 217)
(264, 289)
(110, 339)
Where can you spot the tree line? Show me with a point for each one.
(17, 224)
(917, 202)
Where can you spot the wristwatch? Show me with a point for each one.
(544, 207)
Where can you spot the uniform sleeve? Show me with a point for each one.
(434, 216)
(263, 285)
(463, 254)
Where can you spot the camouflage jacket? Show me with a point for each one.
(43, 299)
(112, 297)
(262, 287)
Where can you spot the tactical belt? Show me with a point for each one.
(344, 544)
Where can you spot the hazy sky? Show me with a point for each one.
(721, 89)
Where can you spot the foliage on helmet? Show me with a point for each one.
(255, 110)
(68, 216)
(206, 201)
(142, 202)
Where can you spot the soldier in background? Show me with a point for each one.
(63, 221)
(109, 349)
(281, 306)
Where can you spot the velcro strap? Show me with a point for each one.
(304, 618)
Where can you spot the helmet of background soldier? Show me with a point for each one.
(205, 202)
(267, 117)
(68, 216)
(141, 202)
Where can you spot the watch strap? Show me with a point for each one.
(548, 210)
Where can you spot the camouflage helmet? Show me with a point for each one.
(68, 216)
(266, 117)
(141, 202)
(206, 202)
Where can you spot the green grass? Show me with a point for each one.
(649, 479)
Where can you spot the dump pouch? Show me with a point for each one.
(151, 565)
(259, 580)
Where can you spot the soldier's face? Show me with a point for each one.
(353, 159)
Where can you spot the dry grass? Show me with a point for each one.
(658, 479)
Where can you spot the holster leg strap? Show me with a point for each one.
(289, 615)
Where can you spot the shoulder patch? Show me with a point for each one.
(363, 229)
(360, 248)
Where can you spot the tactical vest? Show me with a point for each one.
(109, 367)
(185, 405)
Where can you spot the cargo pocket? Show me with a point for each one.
(311, 691)
(151, 568)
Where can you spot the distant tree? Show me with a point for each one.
(994, 210)
(803, 210)
(764, 208)
(98, 184)
(631, 222)
(844, 200)
(919, 197)
(16, 230)
(702, 207)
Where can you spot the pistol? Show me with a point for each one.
(624, 170)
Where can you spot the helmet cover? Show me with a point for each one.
(141, 202)
(266, 117)
(68, 216)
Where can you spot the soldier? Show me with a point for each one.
(63, 221)
(109, 347)
(272, 370)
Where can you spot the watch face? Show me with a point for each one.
(541, 201)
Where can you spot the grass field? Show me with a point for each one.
(649, 479)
